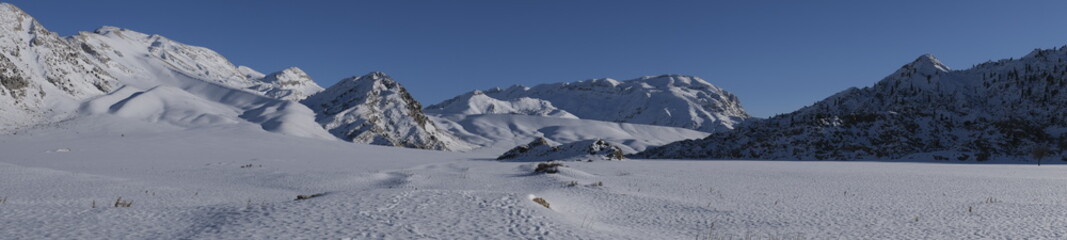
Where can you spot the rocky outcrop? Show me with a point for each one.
(375, 109)
(40, 69)
(544, 150)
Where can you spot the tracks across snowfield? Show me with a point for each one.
(227, 183)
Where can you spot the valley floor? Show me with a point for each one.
(241, 182)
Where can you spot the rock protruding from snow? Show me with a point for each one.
(40, 72)
(375, 109)
(665, 100)
(995, 110)
(289, 84)
(545, 150)
(476, 102)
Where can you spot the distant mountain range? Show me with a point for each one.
(665, 100)
(1010, 109)
(1013, 109)
(47, 78)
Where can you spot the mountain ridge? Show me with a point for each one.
(375, 109)
(996, 110)
(664, 100)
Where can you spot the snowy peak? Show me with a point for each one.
(675, 80)
(195, 61)
(6, 9)
(107, 30)
(289, 76)
(289, 84)
(375, 109)
(138, 56)
(929, 63)
(1001, 109)
(357, 89)
(925, 72)
(664, 100)
(46, 78)
(477, 102)
(924, 65)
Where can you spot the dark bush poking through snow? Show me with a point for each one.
(305, 197)
(550, 167)
(120, 203)
(541, 201)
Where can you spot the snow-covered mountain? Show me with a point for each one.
(169, 82)
(290, 84)
(123, 73)
(130, 55)
(119, 72)
(42, 76)
(476, 102)
(634, 115)
(375, 109)
(665, 100)
(1008, 109)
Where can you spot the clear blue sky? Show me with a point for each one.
(776, 56)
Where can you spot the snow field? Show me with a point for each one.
(240, 182)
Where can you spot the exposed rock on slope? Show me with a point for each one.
(1005, 109)
(375, 109)
(544, 150)
(41, 74)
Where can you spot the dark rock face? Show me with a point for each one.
(995, 110)
(375, 109)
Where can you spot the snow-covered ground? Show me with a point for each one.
(238, 181)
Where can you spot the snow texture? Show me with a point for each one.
(238, 182)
